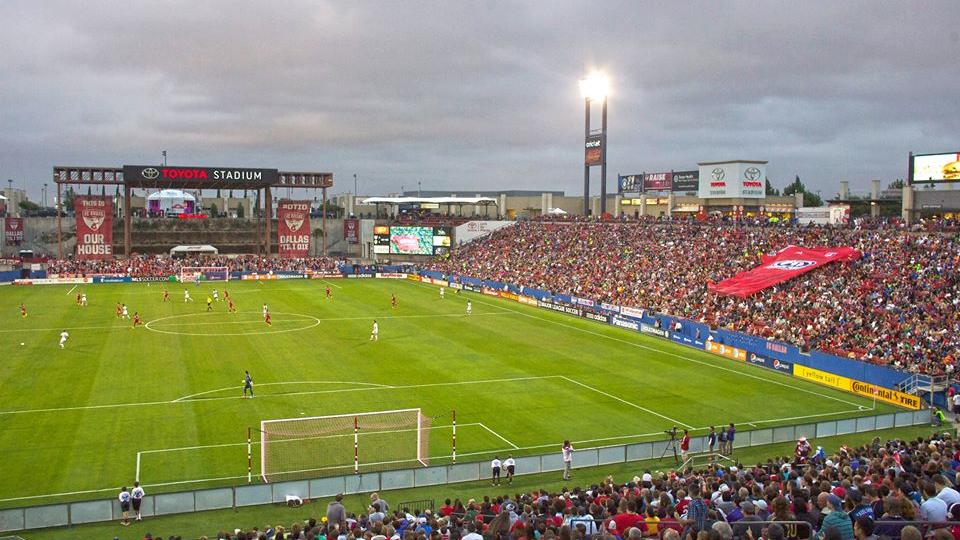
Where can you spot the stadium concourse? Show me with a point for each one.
(899, 304)
(898, 489)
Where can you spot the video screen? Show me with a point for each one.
(411, 240)
(381, 239)
(937, 167)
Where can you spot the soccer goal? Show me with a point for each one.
(295, 448)
(190, 274)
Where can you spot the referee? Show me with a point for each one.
(495, 465)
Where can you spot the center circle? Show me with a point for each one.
(300, 321)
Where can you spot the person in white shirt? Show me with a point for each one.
(216, 296)
(567, 452)
(137, 496)
(944, 492)
(375, 332)
(472, 532)
(956, 403)
(469, 307)
(441, 293)
(186, 296)
(83, 299)
(63, 338)
(495, 467)
(265, 310)
(124, 498)
(511, 467)
(124, 312)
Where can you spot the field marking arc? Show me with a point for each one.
(675, 355)
(306, 318)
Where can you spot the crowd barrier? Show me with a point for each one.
(66, 514)
(845, 374)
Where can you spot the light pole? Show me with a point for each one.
(44, 195)
(164, 152)
(418, 188)
(355, 192)
(594, 88)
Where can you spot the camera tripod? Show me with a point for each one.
(671, 445)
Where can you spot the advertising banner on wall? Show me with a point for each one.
(857, 387)
(630, 183)
(13, 231)
(733, 179)
(661, 181)
(472, 230)
(593, 150)
(351, 230)
(293, 228)
(94, 227)
(685, 181)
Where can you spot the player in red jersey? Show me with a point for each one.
(136, 319)
(329, 295)
(266, 318)
(119, 310)
(166, 295)
(23, 310)
(226, 295)
(230, 306)
(393, 300)
(78, 299)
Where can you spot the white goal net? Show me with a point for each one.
(189, 274)
(294, 448)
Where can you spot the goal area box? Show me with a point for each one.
(190, 274)
(311, 447)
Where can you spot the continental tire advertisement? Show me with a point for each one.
(857, 387)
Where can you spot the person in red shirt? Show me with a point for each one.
(447, 508)
(330, 296)
(230, 307)
(136, 319)
(119, 310)
(685, 444)
(266, 319)
(23, 310)
(166, 295)
(627, 519)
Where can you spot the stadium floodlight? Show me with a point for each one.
(594, 87)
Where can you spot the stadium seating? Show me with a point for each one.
(895, 483)
(898, 305)
(154, 266)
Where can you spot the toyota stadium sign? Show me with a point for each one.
(733, 179)
(198, 176)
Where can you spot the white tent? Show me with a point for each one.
(194, 250)
(557, 212)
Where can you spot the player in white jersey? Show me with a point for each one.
(375, 332)
(186, 296)
(266, 310)
(83, 299)
(124, 498)
(216, 296)
(137, 496)
(441, 293)
(63, 338)
(511, 466)
(469, 307)
(495, 470)
(123, 310)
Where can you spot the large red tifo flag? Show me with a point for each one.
(94, 227)
(786, 264)
(293, 228)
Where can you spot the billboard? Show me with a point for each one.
(733, 179)
(662, 181)
(351, 230)
(630, 183)
(593, 150)
(936, 167)
(94, 227)
(198, 176)
(685, 181)
(293, 229)
(13, 231)
(419, 240)
(381, 239)
(894, 397)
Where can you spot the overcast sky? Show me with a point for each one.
(479, 94)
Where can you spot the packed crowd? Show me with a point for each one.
(899, 304)
(869, 492)
(162, 266)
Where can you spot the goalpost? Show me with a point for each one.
(190, 274)
(295, 448)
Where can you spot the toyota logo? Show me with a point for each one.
(718, 174)
(150, 173)
(752, 173)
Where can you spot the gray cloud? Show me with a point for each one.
(465, 95)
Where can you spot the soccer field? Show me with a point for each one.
(164, 400)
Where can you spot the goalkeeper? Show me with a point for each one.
(247, 383)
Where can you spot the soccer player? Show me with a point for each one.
(511, 465)
(124, 499)
(495, 469)
(23, 311)
(375, 332)
(118, 310)
(186, 296)
(136, 319)
(209, 303)
(78, 298)
(469, 307)
(137, 496)
(230, 306)
(329, 294)
(441, 293)
(216, 295)
(567, 454)
(83, 299)
(265, 310)
(196, 280)
(124, 313)
(393, 300)
(166, 295)
(63, 338)
(266, 318)
(247, 383)
(226, 295)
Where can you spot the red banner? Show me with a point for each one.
(94, 227)
(13, 231)
(789, 263)
(293, 228)
(351, 230)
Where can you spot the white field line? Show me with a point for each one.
(675, 355)
(499, 436)
(331, 284)
(137, 476)
(71, 290)
(625, 402)
(184, 398)
(266, 396)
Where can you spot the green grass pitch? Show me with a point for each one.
(74, 422)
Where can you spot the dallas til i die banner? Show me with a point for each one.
(94, 227)
(293, 228)
(13, 231)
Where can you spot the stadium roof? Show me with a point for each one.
(428, 200)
